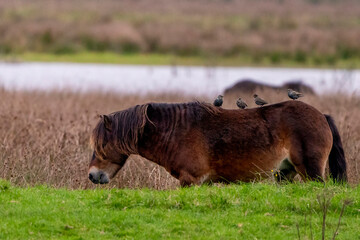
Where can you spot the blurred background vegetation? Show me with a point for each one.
(225, 32)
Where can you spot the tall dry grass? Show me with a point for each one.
(45, 136)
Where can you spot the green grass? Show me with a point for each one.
(169, 59)
(244, 211)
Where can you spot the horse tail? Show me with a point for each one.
(337, 162)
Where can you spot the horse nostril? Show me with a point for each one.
(101, 176)
(103, 179)
(91, 176)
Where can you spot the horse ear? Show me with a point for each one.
(150, 112)
(107, 122)
(151, 115)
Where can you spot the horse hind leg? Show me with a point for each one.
(186, 179)
(310, 166)
(286, 172)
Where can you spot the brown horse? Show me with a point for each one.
(197, 142)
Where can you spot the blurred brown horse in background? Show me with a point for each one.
(197, 142)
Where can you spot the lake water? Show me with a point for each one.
(155, 79)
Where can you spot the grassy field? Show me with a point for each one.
(228, 32)
(244, 211)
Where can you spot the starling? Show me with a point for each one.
(241, 104)
(218, 101)
(293, 94)
(259, 101)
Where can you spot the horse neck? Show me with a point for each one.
(162, 136)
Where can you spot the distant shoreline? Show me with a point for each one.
(169, 59)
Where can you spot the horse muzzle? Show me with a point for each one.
(99, 177)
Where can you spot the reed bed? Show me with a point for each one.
(273, 29)
(45, 135)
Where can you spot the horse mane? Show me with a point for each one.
(128, 125)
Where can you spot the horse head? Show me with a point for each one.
(113, 140)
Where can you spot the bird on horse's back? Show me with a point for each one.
(197, 142)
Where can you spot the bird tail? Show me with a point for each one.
(299, 94)
(337, 162)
